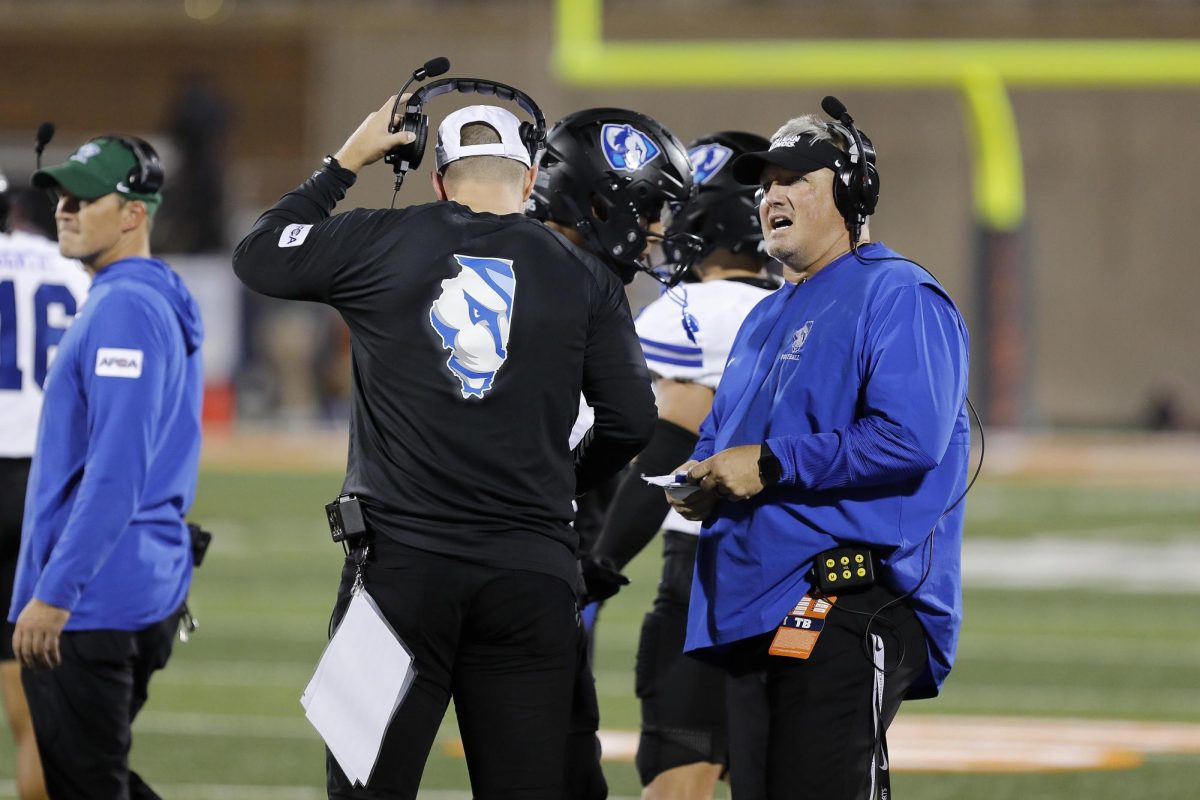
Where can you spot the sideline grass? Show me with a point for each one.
(226, 711)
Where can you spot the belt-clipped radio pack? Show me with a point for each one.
(345, 518)
(842, 568)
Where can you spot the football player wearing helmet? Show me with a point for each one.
(607, 175)
(605, 179)
(686, 336)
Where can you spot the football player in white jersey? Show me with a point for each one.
(605, 178)
(686, 336)
(40, 293)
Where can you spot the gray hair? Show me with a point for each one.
(812, 127)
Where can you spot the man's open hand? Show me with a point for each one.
(37, 633)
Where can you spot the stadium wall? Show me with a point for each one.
(1107, 172)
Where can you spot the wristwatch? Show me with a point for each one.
(770, 470)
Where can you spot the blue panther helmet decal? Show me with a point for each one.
(724, 213)
(473, 315)
(626, 148)
(707, 160)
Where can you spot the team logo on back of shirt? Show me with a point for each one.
(473, 315)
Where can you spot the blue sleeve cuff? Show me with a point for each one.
(788, 476)
(59, 596)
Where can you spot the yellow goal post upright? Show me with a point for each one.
(981, 71)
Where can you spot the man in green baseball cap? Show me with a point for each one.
(108, 164)
(105, 560)
(108, 191)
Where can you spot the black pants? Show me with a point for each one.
(82, 710)
(814, 728)
(14, 475)
(503, 643)
(584, 774)
(683, 700)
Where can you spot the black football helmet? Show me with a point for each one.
(607, 173)
(724, 212)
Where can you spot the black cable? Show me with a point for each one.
(868, 652)
(928, 542)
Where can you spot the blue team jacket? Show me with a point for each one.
(118, 446)
(857, 381)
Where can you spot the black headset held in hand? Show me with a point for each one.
(408, 156)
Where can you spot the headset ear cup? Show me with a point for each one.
(418, 125)
(418, 145)
(870, 190)
(146, 176)
(528, 135)
(844, 186)
(149, 177)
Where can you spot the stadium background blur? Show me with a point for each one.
(1083, 537)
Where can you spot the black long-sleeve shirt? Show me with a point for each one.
(472, 336)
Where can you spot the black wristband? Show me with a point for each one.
(335, 168)
(770, 470)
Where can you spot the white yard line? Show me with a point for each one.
(918, 742)
(197, 723)
(1042, 562)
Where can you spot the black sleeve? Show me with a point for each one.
(616, 384)
(296, 250)
(636, 512)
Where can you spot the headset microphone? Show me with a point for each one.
(836, 109)
(432, 68)
(45, 133)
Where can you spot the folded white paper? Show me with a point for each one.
(677, 486)
(662, 480)
(360, 681)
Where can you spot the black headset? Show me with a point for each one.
(147, 175)
(856, 183)
(408, 156)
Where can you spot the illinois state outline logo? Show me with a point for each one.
(473, 316)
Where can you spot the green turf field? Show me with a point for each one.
(224, 720)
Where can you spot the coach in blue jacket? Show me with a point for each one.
(105, 558)
(840, 421)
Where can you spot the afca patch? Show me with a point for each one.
(294, 235)
(119, 362)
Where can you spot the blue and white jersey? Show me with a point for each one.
(718, 309)
(40, 294)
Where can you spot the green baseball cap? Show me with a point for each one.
(99, 167)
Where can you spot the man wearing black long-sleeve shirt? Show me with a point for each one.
(473, 332)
